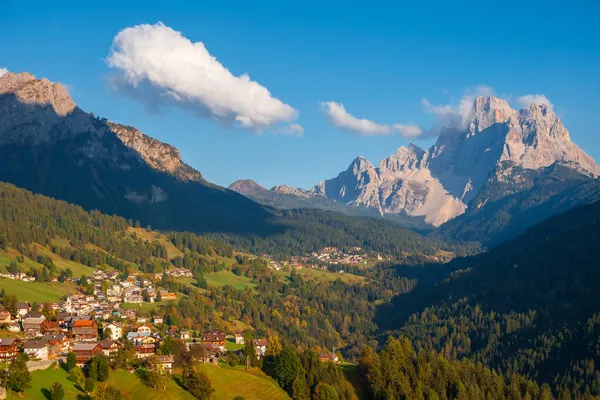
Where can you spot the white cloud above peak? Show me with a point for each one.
(539, 99)
(3, 71)
(159, 66)
(455, 115)
(339, 117)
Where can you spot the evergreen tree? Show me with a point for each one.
(57, 392)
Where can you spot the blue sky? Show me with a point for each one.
(377, 59)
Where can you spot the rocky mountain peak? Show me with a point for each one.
(27, 89)
(360, 164)
(246, 187)
(487, 111)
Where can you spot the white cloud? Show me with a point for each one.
(455, 116)
(338, 116)
(3, 71)
(408, 131)
(293, 129)
(159, 66)
(539, 99)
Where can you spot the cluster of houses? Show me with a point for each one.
(134, 289)
(78, 332)
(212, 344)
(20, 276)
(330, 256)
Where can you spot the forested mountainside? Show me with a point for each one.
(528, 306)
(515, 198)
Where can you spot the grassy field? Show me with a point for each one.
(42, 381)
(10, 255)
(230, 344)
(229, 383)
(134, 389)
(172, 251)
(223, 278)
(130, 385)
(36, 291)
(61, 263)
(310, 273)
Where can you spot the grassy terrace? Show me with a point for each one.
(223, 278)
(231, 382)
(36, 291)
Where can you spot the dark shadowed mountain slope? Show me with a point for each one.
(514, 198)
(50, 146)
(530, 305)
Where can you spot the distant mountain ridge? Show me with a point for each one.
(439, 183)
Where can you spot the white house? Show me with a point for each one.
(116, 330)
(36, 349)
(239, 338)
(260, 345)
(144, 329)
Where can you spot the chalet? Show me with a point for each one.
(110, 347)
(116, 330)
(62, 340)
(36, 349)
(85, 351)
(22, 309)
(260, 345)
(157, 320)
(34, 323)
(144, 329)
(146, 346)
(85, 330)
(214, 337)
(5, 317)
(8, 349)
(239, 338)
(166, 362)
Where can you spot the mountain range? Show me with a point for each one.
(50, 146)
(492, 145)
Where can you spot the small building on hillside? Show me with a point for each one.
(36, 350)
(62, 340)
(22, 309)
(34, 323)
(85, 330)
(8, 349)
(214, 337)
(116, 330)
(260, 346)
(110, 347)
(239, 338)
(85, 351)
(166, 362)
